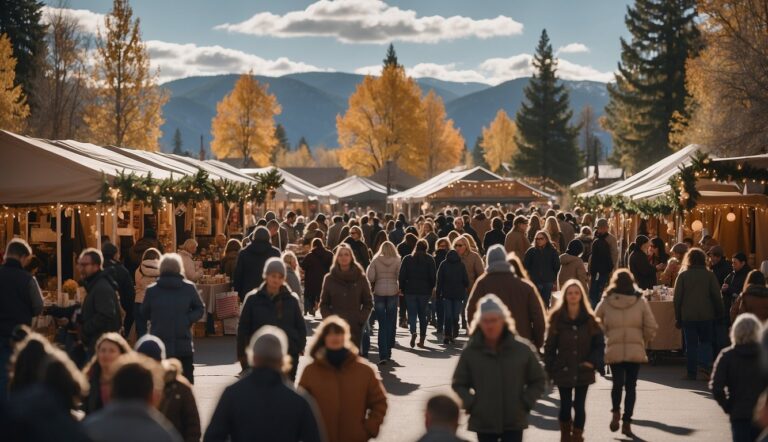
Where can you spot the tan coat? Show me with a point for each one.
(146, 275)
(629, 326)
(517, 242)
(474, 265)
(572, 267)
(481, 227)
(352, 400)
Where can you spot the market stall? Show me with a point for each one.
(295, 193)
(358, 192)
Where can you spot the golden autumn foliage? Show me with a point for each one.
(13, 105)
(244, 125)
(443, 143)
(384, 121)
(499, 144)
(127, 110)
(301, 157)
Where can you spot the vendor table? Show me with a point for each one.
(668, 337)
(208, 294)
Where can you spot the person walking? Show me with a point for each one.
(292, 276)
(262, 405)
(754, 298)
(629, 325)
(495, 235)
(441, 419)
(552, 227)
(383, 276)
(417, 279)
(172, 306)
(249, 267)
(571, 265)
(442, 247)
(474, 265)
(602, 261)
(101, 308)
(273, 304)
(498, 377)
(349, 394)
(334, 232)
(100, 368)
(517, 239)
(543, 264)
(316, 264)
(346, 293)
(20, 300)
(125, 284)
(738, 377)
(640, 265)
(145, 276)
(573, 351)
(358, 246)
(452, 289)
(697, 306)
(517, 294)
(586, 238)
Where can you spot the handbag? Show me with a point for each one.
(226, 305)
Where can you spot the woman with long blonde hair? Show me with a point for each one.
(383, 276)
(474, 265)
(555, 235)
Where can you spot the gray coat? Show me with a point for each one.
(172, 305)
(129, 421)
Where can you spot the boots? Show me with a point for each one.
(421, 341)
(577, 435)
(615, 421)
(565, 431)
(626, 429)
(413, 340)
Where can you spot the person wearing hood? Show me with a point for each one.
(316, 264)
(572, 266)
(229, 260)
(350, 396)
(452, 289)
(178, 404)
(273, 304)
(172, 306)
(417, 280)
(640, 265)
(148, 241)
(498, 377)
(628, 325)
(250, 262)
(697, 305)
(517, 294)
(187, 252)
(145, 276)
(101, 308)
(754, 298)
(382, 275)
(738, 380)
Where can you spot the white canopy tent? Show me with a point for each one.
(294, 189)
(357, 189)
(418, 194)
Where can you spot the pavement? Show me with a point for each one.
(668, 407)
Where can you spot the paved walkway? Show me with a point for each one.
(668, 407)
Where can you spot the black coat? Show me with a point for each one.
(316, 265)
(403, 250)
(396, 236)
(361, 252)
(722, 269)
(173, 305)
(600, 260)
(492, 237)
(125, 283)
(20, 298)
(101, 308)
(542, 264)
(642, 270)
(452, 279)
(262, 406)
(737, 369)
(282, 311)
(417, 275)
(250, 266)
(735, 281)
(569, 344)
(440, 255)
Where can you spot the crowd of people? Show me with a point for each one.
(541, 295)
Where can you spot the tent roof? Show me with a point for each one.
(294, 188)
(153, 159)
(115, 158)
(357, 188)
(760, 161)
(419, 192)
(213, 171)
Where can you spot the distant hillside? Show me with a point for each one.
(311, 101)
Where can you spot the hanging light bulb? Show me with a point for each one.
(696, 226)
(731, 217)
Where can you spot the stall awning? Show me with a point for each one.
(115, 158)
(355, 188)
(294, 188)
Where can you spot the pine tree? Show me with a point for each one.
(546, 141)
(177, 144)
(478, 155)
(13, 105)
(20, 20)
(650, 84)
(391, 59)
(302, 142)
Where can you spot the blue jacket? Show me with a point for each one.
(172, 305)
(452, 279)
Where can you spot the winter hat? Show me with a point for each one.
(602, 222)
(261, 234)
(274, 265)
(497, 259)
(575, 247)
(268, 343)
(490, 304)
(109, 250)
(151, 346)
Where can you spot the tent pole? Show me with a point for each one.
(98, 226)
(173, 227)
(58, 249)
(194, 223)
(114, 224)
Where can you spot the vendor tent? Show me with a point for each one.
(214, 172)
(116, 158)
(357, 189)
(294, 188)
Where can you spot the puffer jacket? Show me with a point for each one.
(452, 279)
(572, 267)
(178, 404)
(382, 274)
(738, 380)
(417, 275)
(570, 343)
(754, 299)
(628, 324)
(348, 295)
(282, 311)
(145, 276)
(190, 271)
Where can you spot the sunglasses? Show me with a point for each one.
(459, 245)
(540, 239)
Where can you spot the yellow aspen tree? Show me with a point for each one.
(244, 125)
(443, 143)
(13, 104)
(301, 157)
(127, 109)
(499, 144)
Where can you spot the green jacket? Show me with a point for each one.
(498, 389)
(697, 296)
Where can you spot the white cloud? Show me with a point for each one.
(573, 48)
(369, 70)
(89, 21)
(371, 21)
(446, 72)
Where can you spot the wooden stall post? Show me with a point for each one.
(58, 249)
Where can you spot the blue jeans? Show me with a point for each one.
(698, 344)
(742, 430)
(545, 290)
(385, 308)
(139, 320)
(451, 311)
(624, 378)
(417, 309)
(596, 287)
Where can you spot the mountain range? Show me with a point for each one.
(310, 102)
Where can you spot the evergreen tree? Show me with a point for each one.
(20, 20)
(478, 154)
(282, 145)
(391, 59)
(177, 144)
(650, 84)
(546, 141)
(302, 142)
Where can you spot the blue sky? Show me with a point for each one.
(484, 40)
